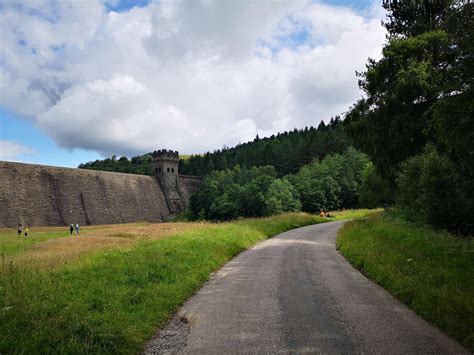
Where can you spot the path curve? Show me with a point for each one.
(294, 293)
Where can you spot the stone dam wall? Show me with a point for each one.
(39, 195)
(187, 185)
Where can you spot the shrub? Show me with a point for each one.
(375, 191)
(432, 190)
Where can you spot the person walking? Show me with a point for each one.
(20, 230)
(77, 229)
(27, 229)
(71, 228)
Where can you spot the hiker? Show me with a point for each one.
(71, 228)
(77, 229)
(20, 229)
(26, 232)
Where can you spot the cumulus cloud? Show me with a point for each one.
(185, 75)
(107, 115)
(10, 150)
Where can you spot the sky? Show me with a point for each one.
(85, 79)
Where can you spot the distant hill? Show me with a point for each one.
(287, 152)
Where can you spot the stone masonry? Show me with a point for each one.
(40, 195)
(165, 166)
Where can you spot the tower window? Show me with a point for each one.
(168, 169)
(156, 170)
(172, 170)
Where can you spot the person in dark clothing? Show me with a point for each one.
(71, 228)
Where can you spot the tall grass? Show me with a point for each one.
(51, 247)
(431, 272)
(10, 243)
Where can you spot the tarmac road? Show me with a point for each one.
(294, 293)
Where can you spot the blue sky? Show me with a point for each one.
(125, 5)
(43, 149)
(133, 76)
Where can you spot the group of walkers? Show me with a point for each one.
(73, 227)
(24, 230)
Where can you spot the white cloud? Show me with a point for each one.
(120, 115)
(20, 95)
(10, 150)
(185, 75)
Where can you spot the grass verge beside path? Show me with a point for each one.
(431, 272)
(111, 301)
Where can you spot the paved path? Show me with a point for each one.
(296, 294)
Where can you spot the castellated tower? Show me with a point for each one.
(165, 167)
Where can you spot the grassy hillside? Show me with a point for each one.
(184, 156)
(109, 289)
(431, 272)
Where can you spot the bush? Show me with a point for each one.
(374, 191)
(432, 190)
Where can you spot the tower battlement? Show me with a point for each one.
(165, 162)
(165, 154)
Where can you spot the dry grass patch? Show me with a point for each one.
(43, 253)
(152, 230)
(56, 252)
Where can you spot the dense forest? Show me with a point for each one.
(329, 184)
(286, 152)
(416, 121)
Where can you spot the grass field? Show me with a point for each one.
(431, 272)
(49, 247)
(108, 290)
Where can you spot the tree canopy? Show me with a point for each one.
(331, 183)
(420, 95)
(287, 152)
